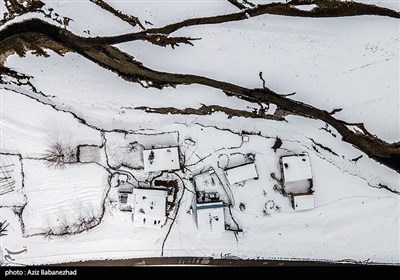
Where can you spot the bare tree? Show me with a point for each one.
(59, 154)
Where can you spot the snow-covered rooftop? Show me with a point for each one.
(241, 173)
(210, 217)
(148, 207)
(296, 168)
(303, 202)
(161, 159)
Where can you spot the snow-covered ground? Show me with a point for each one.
(89, 19)
(391, 4)
(113, 95)
(306, 7)
(160, 13)
(349, 63)
(324, 52)
(29, 128)
(319, 59)
(61, 197)
(2, 7)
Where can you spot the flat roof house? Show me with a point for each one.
(210, 216)
(297, 180)
(161, 159)
(296, 173)
(241, 173)
(149, 207)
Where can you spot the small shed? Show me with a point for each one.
(303, 201)
(210, 216)
(125, 189)
(148, 207)
(161, 159)
(241, 173)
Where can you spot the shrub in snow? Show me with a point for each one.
(151, 157)
(250, 157)
(270, 207)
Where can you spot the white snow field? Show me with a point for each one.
(29, 127)
(163, 12)
(350, 63)
(113, 95)
(59, 197)
(89, 19)
(323, 52)
(391, 4)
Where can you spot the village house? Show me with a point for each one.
(148, 207)
(297, 180)
(210, 216)
(161, 159)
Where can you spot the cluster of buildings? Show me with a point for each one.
(149, 206)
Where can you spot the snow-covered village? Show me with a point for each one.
(235, 130)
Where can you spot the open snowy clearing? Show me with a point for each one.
(391, 4)
(115, 98)
(61, 197)
(334, 59)
(319, 59)
(160, 13)
(29, 128)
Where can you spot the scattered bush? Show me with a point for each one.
(87, 219)
(270, 207)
